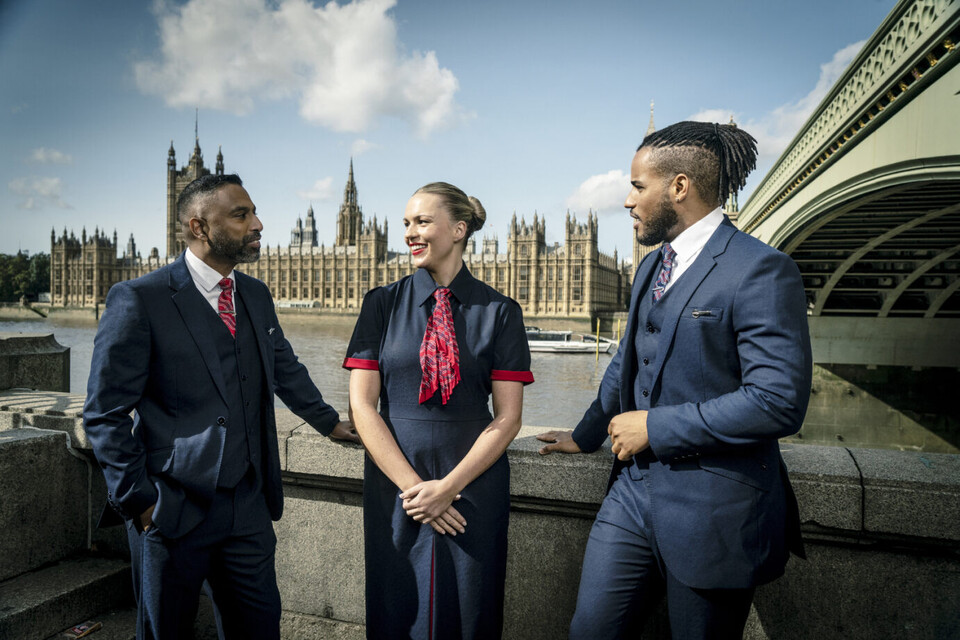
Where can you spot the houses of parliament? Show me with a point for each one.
(573, 279)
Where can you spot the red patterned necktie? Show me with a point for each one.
(225, 305)
(668, 261)
(439, 353)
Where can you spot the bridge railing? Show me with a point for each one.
(913, 44)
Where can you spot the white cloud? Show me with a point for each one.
(361, 146)
(38, 192)
(342, 63)
(321, 190)
(776, 129)
(604, 193)
(43, 155)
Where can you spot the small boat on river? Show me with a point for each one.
(545, 340)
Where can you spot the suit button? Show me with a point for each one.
(645, 393)
(243, 377)
(646, 361)
(649, 328)
(763, 466)
(221, 421)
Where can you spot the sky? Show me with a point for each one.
(534, 107)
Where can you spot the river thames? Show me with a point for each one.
(565, 384)
(840, 413)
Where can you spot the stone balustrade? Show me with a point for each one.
(881, 530)
(33, 361)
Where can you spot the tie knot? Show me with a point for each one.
(441, 293)
(226, 284)
(668, 253)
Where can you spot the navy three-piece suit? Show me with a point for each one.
(201, 443)
(723, 365)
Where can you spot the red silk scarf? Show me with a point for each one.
(439, 353)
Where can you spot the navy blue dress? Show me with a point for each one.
(420, 584)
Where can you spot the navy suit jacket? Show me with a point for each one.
(154, 356)
(727, 385)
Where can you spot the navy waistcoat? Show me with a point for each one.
(243, 376)
(647, 344)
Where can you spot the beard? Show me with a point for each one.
(236, 251)
(654, 230)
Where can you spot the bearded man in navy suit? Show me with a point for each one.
(714, 367)
(194, 350)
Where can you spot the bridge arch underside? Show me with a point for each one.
(889, 253)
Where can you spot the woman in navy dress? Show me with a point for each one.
(436, 491)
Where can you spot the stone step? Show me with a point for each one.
(38, 604)
(120, 624)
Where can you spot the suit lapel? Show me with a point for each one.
(246, 288)
(628, 363)
(679, 295)
(193, 309)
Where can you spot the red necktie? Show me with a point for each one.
(225, 305)
(439, 353)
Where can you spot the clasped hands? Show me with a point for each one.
(628, 435)
(431, 502)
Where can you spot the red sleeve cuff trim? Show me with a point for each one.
(359, 363)
(525, 377)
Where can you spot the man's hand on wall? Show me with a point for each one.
(561, 441)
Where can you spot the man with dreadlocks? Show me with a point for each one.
(714, 367)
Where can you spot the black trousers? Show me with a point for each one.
(233, 549)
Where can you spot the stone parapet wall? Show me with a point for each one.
(881, 530)
(34, 361)
(43, 501)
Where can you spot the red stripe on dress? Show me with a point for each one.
(525, 377)
(360, 363)
(433, 557)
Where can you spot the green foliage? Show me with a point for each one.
(21, 275)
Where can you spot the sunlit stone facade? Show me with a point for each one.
(573, 279)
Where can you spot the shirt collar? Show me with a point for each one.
(205, 276)
(692, 239)
(461, 287)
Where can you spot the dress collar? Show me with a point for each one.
(461, 287)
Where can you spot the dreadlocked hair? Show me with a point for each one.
(716, 157)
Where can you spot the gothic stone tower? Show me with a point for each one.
(525, 247)
(581, 242)
(304, 235)
(641, 251)
(370, 238)
(176, 181)
(83, 270)
(350, 217)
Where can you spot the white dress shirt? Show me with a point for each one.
(206, 278)
(690, 243)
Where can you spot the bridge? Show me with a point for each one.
(866, 198)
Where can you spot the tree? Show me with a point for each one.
(21, 275)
